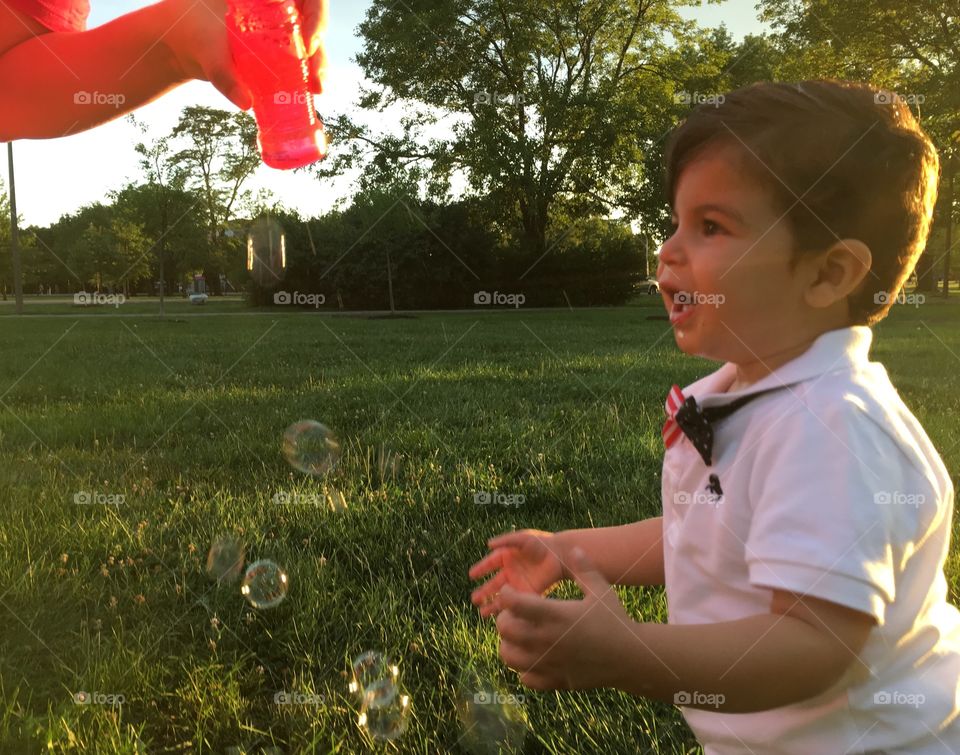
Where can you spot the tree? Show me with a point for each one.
(549, 103)
(909, 48)
(218, 154)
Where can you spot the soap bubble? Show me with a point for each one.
(225, 559)
(386, 722)
(374, 679)
(493, 721)
(311, 447)
(265, 584)
(266, 252)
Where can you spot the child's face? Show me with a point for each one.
(747, 303)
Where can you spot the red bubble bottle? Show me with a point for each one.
(267, 47)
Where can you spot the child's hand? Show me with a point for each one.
(566, 644)
(197, 39)
(529, 561)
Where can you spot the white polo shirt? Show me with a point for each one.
(828, 487)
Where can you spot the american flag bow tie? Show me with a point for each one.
(684, 417)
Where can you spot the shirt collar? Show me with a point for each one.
(844, 349)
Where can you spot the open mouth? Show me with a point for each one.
(681, 312)
(680, 304)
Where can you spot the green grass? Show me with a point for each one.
(184, 418)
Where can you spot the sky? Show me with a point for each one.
(58, 176)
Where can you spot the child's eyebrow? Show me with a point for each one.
(722, 209)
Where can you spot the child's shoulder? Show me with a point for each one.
(860, 415)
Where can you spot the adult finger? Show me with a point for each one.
(313, 17)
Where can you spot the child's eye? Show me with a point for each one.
(708, 225)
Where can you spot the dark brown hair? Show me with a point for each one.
(854, 155)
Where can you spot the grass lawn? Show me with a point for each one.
(184, 419)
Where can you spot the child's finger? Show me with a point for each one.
(540, 680)
(488, 589)
(515, 656)
(532, 608)
(516, 630)
(486, 565)
(508, 540)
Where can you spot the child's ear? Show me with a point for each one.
(837, 272)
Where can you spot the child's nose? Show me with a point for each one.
(671, 253)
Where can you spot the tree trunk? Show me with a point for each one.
(14, 237)
(948, 243)
(925, 276)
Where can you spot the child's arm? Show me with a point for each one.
(535, 561)
(627, 554)
(793, 653)
(752, 664)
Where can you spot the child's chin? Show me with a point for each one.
(693, 346)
